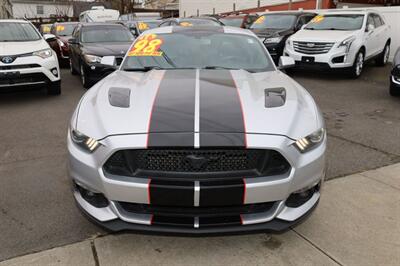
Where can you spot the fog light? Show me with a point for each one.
(54, 71)
(300, 197)
(96, 199)
(92, 67)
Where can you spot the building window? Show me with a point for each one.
(39, 10)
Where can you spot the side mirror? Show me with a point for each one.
(286, 62)
(72, 41)
(370, 28)
(302, 27)
(108, 61)
(49, 37)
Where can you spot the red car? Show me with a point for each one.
(63, 32)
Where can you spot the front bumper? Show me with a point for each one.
(307, 170)
(336, 58)
(29, 71)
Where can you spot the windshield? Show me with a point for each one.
(233, 22)
(65, 29)
(336, 22)
(147, 25)
(191, 22)
(17, 32)
(197, 50)
(106, 34)
(274, 22)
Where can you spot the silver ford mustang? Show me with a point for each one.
(197, 132)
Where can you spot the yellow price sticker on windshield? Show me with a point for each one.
(147, 45)
(60, 28)
(46, 29)
(143, 26)
(318, 19)
(185, 24)
(260, 20)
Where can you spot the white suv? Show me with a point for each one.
(26, 59)
(341, 40)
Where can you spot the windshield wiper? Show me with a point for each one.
(143, 69)
(218, 67)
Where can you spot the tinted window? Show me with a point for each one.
(17, 32)
(198, 50)
(106, 34)
(274, 22)
(336, 22)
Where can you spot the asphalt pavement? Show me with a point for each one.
(37, 210)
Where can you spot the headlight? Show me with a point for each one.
(92, 58)
(44, 53)
(307, 143)
(87, 143)
(61, 43)
(289, 43)
(261, 39)
(273, 39)
(347, 43)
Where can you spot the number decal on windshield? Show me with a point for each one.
(147, 45)
(185, 24)
(143, 26)
(318, 19)
(60, 28)
(260, 20)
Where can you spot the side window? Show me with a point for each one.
(370, 21)
(309, 18)
(166, 23)
(377, 20)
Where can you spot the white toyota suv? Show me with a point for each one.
(341, 40)
(26, 59)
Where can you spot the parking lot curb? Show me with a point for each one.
(358, 211)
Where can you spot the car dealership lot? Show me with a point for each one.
(36, 203)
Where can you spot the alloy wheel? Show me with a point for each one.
(359, 64)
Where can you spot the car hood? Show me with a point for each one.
(226, 101)
(17, 48)
(272, 32)
(104, 49)
(322, 35)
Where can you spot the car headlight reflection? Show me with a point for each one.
(311, 141)
(87, 143)
(46, 53)
(92, 58)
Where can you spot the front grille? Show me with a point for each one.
(201, 163)
(19, 66)
(313, 47)
(10, 78)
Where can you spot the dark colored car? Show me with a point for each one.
(90, 42)
(241, 20)
(63, 32)
(187, 22)
(274, 28)
(395, 75)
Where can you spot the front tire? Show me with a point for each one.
(54, 88)
(394, 90)
(383, 57)
(71, 68)
(84, 78)
(357, 68)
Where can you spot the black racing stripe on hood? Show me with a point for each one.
(221, 115)
(173, 110)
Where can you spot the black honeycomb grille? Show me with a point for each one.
(200, 162)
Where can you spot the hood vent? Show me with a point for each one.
(275, 97)
(119, 97)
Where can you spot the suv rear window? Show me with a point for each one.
(18, 32)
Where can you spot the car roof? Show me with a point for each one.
(348, 12)
(296, 13)
(14, 20)
(69, 22)
(97, 24)
(205, 29)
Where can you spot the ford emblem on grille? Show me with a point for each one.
(311, 45)
(7, 59)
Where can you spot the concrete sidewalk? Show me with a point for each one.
(356, 223)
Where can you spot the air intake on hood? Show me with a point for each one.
(119, 97)
(275, 97)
